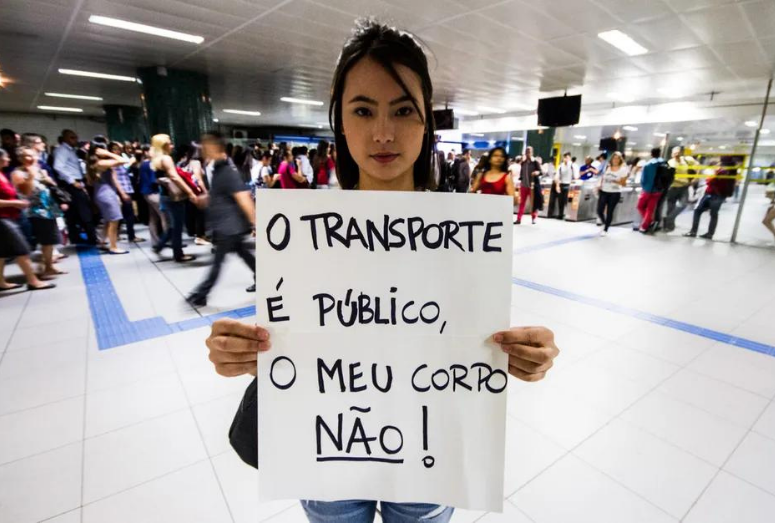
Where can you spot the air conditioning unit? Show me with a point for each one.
(239, 134)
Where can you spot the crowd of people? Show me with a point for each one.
(64, 194)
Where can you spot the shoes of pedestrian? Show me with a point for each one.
(706, 236)
(690, 235)
(252, 288)
(185, 258)
(197, 301)
(534, 221)
(157, 249)
(603, 233)
(137, 240)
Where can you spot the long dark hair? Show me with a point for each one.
(504, 165)
(321, 155)
(388, 47)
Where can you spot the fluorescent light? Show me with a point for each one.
(240, 111)
(624, 98)
(722, 147)
(63, 109)
(465, 112)
(474, 134)
(751, 123)
(680, 138)
(580, 137)
(576, 144)
(147, 29)
(311, 126)
(660, 135)
(630, 128)
(764, 131)
(486, 109)
(622, 42)
(649, 145)
(215, 120)
(632, 143)
(74, 96)
(104, 76)
(300, 101)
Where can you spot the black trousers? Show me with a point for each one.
(79, 217)
(128, 212)
(606, 204)
(223, 246)
(560, 198)
(712, 203)
(195, 221)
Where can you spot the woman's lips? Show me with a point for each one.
(385, 157)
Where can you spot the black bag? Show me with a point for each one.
(664, 177)
(60, 196)
(243, 433)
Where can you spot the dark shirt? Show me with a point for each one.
(224, 213)
(526, 172)
(148, 183)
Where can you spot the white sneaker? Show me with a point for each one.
(603, 233)
(598, 222)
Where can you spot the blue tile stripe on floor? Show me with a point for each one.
(111, 323)
(653, 318)
(114, 329)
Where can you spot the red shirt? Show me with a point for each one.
(8, 192)
(722, 186)
(496, 187)
(286, 170)
(322, 175)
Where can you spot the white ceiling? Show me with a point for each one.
(503, 54)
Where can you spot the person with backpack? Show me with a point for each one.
(654, 182)
(719, 188)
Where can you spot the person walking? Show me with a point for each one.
(494, 179)
(529, 172)
(678, 194)
(231, 216)
(719, 187)
(126, 190)
(610, 189)
(157, 221)
(650, 196)
(563, 177)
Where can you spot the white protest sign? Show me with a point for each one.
(382, 381)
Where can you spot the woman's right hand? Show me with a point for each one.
(234, 347)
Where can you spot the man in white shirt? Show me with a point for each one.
(305, 167)
(67, 166)
(562, 179)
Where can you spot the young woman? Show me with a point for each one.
(13, 244)
(126, 191)
(271, 180)
(385, 146)
(195, 217)
(108, 194)
(610, 190)
(33, 184)
(290, 177)
(494, 178)
(174, 193)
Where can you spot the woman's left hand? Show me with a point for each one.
(531, 351)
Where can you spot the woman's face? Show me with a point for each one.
(616, 161)
(497, 159)
(383, 130)
(27, 157)
(115, 149)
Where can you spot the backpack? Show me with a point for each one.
(664, 177)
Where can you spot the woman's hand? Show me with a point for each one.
(531, 351)
(234, 347)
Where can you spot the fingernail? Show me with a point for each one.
(498, 338)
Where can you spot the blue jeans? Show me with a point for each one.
(175, 213)
(363, 512)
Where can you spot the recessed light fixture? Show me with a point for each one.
(580, 137)
(63, 109)
(147, 29)
(300, 101)
(622, 42)
(632, 143)
(494, 110)
(630, 128)
(311, 126)
(476, 134)
(576, 144)
(660, 135)
(649, 145)
(722, 147)
(465, 112)
(764, 131)
(104, 76)
(240, 111)
(751, 123)
(216, 120)
(74, 96)
(680, 138)
(624, 98)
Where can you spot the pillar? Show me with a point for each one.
(126, 123)
(176, 102)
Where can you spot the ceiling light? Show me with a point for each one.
(311, 126)
(74, 96)
(629, 128)
(576, 144)
(300, 101)
(473, 134)
(240, 111)
(580, 137)
(465, 112)
(632, 143)
(660, 135)
(104, 76)
(624, 98)
(680, 138)
(147, 29)
(751, 123)
(764, 131)
(63, 109)
(722, 147)
(622, 42)
(486, 109)
(215, 120)
(649, 145)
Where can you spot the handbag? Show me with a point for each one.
(60, 196)
(243, 433)
(174, 192)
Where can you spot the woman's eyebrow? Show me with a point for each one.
(365, 99)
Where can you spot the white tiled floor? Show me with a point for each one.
(637, 422)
